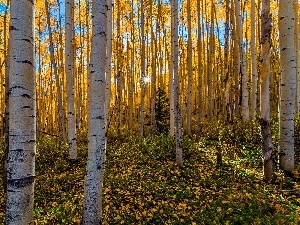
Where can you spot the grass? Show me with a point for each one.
(143, 185)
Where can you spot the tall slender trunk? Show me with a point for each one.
(153, 68)
(297, 47)
(175, 54)
(96, 117)
(253, 62)
(287, 84)
(22, 115)
(142, 81)
(108, 58)
(190, 71)
(61, 71)
(200, 69)
(69, 17)
(267, 147)
(227, 79)
(242, 68)
(80, 73)
(171, 78)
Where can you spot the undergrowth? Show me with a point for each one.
(143, 184)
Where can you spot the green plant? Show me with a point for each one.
(162, 108)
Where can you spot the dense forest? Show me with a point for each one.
(149, 112)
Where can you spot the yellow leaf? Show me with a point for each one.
(184, 214)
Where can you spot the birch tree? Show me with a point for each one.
(242, 69)
(96, 116)
(171, 75)
(253, 62)
(108, 59)
(22, 117)
(142, 69)
(176, 84)
(200, 69)
(287, 84)
(297, 46)
(190, 70)
(69, 18)
(267, 147)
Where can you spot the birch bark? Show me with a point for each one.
(287, 84)
(253, 62)
(70, 75)
(242, 69)
(267, 146)
(96, 116)
(176, 85)
(22, 117)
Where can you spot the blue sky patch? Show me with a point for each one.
(2, 8)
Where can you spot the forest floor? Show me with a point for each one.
(143, 184)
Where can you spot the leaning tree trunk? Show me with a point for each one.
(287, 84)
(267, 147)
(22, 117)
(69, 8)
(96, 117)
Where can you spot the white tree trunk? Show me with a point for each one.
(142, 70)
(22, 117)
(176, 84)
(253, 62)
(227, 80)
(96, 116)
(297, 43)
(153, 67)
(108, 59)
(171, 77)
(242, 69)
(200, 69)
(69, 18)
(287, 84)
